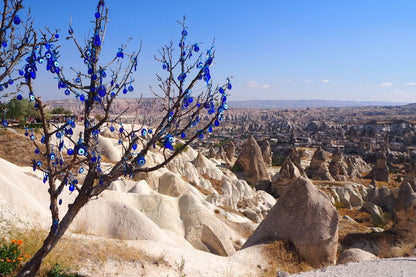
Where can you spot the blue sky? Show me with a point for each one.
(297, 49)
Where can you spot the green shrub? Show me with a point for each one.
(58, 271)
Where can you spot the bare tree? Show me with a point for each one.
(17, 39)
(186, 91)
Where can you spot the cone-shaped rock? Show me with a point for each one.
(318, 169)
(230, 151)
(266, 152)
(251, 162)
(381, 171)
(305, 216)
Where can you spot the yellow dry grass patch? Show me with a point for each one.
(282, 256)
(74, 251)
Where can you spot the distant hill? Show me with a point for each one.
(285, 104)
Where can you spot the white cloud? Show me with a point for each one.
(387, 84)
(399, 95)
(254, 84)
(325, 81)
(289, 82)
(308, 81)
(408, 84)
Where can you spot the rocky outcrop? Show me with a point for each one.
(405, 210)
(349, 195)
(230, 151)
(305, 216)
(377, 214)
(287, 174)
(337, 166)
(355, 255)
(251, 162)
(266, 152)
(318, 169)
(356, 166)
(382, 197)
(381, 171)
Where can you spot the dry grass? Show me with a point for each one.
(16, 148)
(216, 184)
(74, 251)
(282, 256)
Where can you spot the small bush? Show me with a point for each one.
(339, 205)
(58, 271)
(10, 256)
(237, 168)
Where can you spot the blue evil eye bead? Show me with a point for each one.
(221, 90)
(225, 106)
(58, 134)
(125, 90)
(67, 92)
(165, 66)
(94, 159)
(121, 129)
(184, 33)
(111, 128)
(103, 74)
(134, 146)
(77, 80)
(201, 136)
(21, 72)
(81, 151)
(45, 178)
(82, 97)
(32, 137)
(38, 163)
(19, 97)
(102, 91)
(70, 151)
(81, 170)
(144, 132)
(56, 35)
(229, 86)
(37, 151)
(71, 187)
(5, 123)
(4, 43)
(183, 135)
(10, 81)
(120, 53)
(141, 161)
(216, 123)
(70, 31)
(190, 99)
(31, 97)
(130, 88)
(60, 202)
(16, 20)
(97, 15)
(210, 129)
(52, 156)
(195, 47)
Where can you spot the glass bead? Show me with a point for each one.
(81, 151)
(111, 128)
(97, 15)
(102, 91)
(184, 33)
(134, 146)
(4, 43)
(141, 161)
(150, 131)
(67, 92)
(60, 202)
(16, 20)
(58, 134)
(229, 86)
(201, 136)
(37, 151)
(31, 97)
(196, 47)
(21, 72)
(19, 97)
(5, 123)
(70, 151)
(71, 187)
(32, 137)
(82, 97)
(77, 80)
(221, 90)
(52, 156)
(144, 132)
(216, 123)
(121, 130)
(130, 88)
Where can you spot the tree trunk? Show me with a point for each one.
(32, 267)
